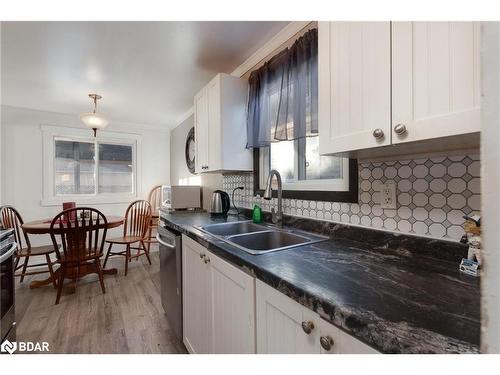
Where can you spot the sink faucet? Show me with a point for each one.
(277, 217)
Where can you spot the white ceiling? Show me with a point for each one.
(147, 72)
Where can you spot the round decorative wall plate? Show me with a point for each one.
(190, 148)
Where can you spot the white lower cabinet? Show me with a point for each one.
(336, 341)
(232, 298)
(225, 310)
(218, 303)
(279, 324)
(285, 326)
(196, 322)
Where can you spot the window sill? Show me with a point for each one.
(82, 201)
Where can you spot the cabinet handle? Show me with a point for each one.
(326, 342)
(307, 326)
(207, 260)
(202, 256)
(378, 133)
(400, 129)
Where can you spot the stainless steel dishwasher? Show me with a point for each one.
(170, 247)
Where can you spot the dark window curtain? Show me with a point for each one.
(283, 95)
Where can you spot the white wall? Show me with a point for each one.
(490, 155)
(179, 174)
(21, 148)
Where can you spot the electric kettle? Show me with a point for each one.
(220, 203)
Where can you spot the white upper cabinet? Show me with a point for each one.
(435, 79)
(220, 126)
(383, 83)
(354, 69)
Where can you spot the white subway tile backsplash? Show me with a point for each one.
(433, 195)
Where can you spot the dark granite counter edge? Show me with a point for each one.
(383, 340)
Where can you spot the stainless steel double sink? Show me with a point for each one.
(260, 238)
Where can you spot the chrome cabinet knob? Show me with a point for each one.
(400, 129)
(202, 256)
(207, 260)
(326, 342)
(307, 326)
(378, 133)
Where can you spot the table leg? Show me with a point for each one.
(50, 280)
(39, 283)
(110, 271)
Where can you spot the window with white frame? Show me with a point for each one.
(91, 168)
(87, 169)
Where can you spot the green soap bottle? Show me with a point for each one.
(257, 214)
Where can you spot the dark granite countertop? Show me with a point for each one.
(392, 299)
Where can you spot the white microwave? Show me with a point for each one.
(180, 197)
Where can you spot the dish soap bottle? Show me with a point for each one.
(257, 214)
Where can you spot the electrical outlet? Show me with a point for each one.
(388, 195)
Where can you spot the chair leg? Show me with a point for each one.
(107, 256)
(150, 234)
(51, 270)
(25, 265)
(60, 283)
(127, 259)
(99, 272)
(146, 251)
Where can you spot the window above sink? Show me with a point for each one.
(282, 128)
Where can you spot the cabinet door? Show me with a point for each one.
(201, 131)
(435, 79)
(335, 341)
(279, 324)
(196, 323)
(233, 308)
(354, 69)
(214, 138)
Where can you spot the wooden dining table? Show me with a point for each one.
(43, 227)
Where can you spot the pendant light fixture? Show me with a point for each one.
(94, 120)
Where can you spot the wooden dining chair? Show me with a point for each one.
(81, 232)
(154, 198)
(135, 230)
(11, 218)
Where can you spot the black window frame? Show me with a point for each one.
(349, 196)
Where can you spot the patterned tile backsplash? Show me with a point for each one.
(433, 194)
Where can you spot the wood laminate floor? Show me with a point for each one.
(128, 318)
